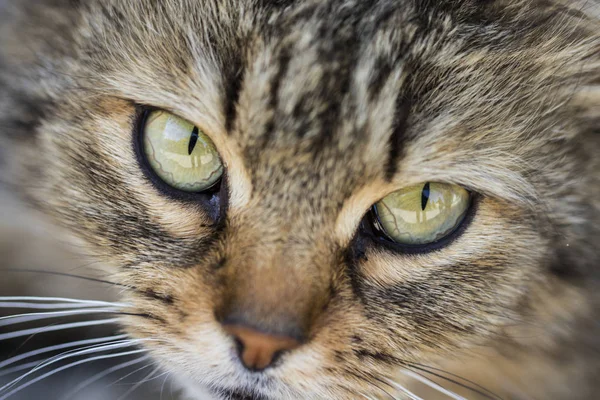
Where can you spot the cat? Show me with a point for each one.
(324, 199)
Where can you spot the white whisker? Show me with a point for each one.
(162, 387)
(433, 385)
(28, 317)
(48, 306)
(137, 385)
(62, 300)
(9, 371)
(53, 328)
(57, 347)
(72, 353)
(55, 371)
(103, 374)
(129, 374)
(404, 390)
(155, 377)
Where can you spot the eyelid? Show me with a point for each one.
(421, 214)
(374, 238)
(355, 208)
(239, 186)
(207, 199)
(360, 203)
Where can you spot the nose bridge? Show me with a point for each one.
(277, 283)
(276, 292)
(278, 241)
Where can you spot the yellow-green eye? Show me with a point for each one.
(422, 214)
(180, 153)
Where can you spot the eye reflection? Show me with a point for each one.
(180, 153)
(422, 213)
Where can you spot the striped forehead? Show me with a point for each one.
(319, 87)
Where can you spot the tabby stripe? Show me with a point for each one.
(379, 75)
(151, 294)
(397, 138)
(232, 95)
(283, 62)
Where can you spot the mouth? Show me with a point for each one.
(229, 394)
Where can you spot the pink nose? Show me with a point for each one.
(258, 350)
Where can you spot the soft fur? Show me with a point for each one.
(319, 108)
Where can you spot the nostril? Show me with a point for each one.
(276, 356)
(239, 345)
(258, 350)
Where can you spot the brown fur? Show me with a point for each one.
(337, 104)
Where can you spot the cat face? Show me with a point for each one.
(279, 279)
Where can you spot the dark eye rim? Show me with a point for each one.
(371, 229)
(210, 199)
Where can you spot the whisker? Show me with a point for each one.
(404, 390)
(103, 374)
(423, 369)
(146, 380)
(129, 374)
(63, 299)
(49, 349)
(383, 390)
(369, 379)
(79, 352)
(22, 318)
(10, 371)
(432, 385)
(70, 354)
(46, 306)
(162, 387)
(87, 278)
(137, 385)
(53, 328)
(426, 368)
(57, 370)
(52, 302)
(170, 385)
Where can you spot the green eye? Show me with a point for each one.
(422, 214)
(180, 153)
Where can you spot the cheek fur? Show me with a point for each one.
(320, 109)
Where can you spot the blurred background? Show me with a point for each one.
(27, 243)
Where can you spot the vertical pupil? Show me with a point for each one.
(193, 140)
(425, 196)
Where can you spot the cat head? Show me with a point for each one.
(288, 274)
